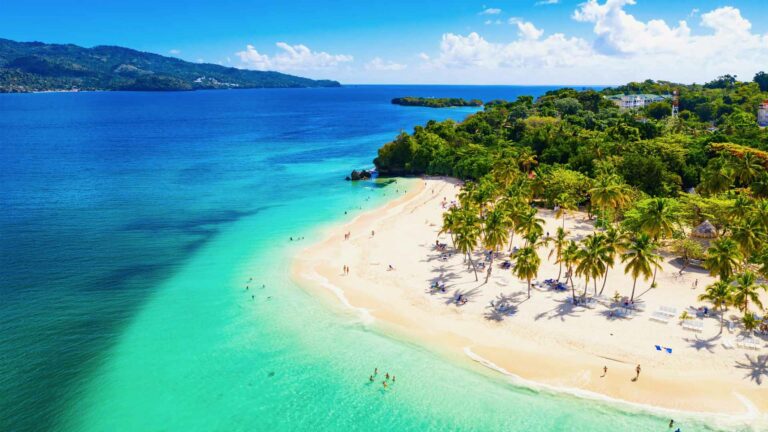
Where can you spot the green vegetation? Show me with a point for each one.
(36, 66)
(649, 178)
(436, 102)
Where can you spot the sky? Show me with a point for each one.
(514, 42)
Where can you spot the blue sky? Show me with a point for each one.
(459, 41)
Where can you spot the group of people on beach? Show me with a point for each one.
(386, 377)
(248, 288)
(345, 269)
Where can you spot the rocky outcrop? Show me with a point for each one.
(359, 175)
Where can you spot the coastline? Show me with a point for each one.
(516, 346)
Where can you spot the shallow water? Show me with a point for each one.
(132, 224)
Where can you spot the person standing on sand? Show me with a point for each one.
(605, 370)
(637, 371)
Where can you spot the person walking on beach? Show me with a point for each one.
(605, 370)
(637, 372)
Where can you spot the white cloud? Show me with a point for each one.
(491, 11)
(622, 48)
(291, 57)
(490, 22)
(380, 65)
(174, 52)
(547, 2)
(474, 51)
(526, 29)
(424, 56)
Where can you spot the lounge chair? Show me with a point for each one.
(668, 311)
(668, 350)
(658, 347)
(693, 325)
(660, 317)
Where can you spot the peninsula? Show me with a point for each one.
(35, 67)
(578, 244)
(436, 102)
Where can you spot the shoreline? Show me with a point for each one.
(530, 356)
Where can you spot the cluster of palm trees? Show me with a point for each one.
(493, 210)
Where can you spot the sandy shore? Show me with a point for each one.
(545, 339)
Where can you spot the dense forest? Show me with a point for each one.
(431, 102)
(651, 181)
(36, 66)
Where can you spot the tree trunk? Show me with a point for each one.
(490, 267)
(653, 282)
(511, 239)
(563, 220)
(586, 286)
(604, 281)
(573, 289)
(632, 297)
(559, 271)
(529, 288)
(469, 257)
(594, 283)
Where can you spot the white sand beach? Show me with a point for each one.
(545, 338)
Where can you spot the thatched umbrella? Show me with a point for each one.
(705, 230)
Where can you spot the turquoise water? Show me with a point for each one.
(133, 224)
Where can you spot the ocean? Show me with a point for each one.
(145, 286)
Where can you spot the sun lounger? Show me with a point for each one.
(668, 350)
(728, 344)
(693, 325)
(658, 347)
(748, 343)
(668, 311)
(660, 317)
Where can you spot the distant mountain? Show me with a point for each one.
(37, 66)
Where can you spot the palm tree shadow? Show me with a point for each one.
(756, 368)
(563, 309)
(502, 307)
(700, 344)
(468, 294)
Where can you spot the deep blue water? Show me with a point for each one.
(105, 195)
(129, 223)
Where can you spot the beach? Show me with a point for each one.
(545, 339)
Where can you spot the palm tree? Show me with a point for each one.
(639, 258)
(529, 224)
(745, 290)
(592, 259)
(495, 233)
(564, 204)
(723, 258)
(609, 191)
(716, 178)
(720, 295)
(746, 168)
(613, 241)
(526, 158)
(526, 265)
(659, 218)
(749, 235)
(515, 209)
(570, 257)
(450, 222)
(467, 234)
(560, 243)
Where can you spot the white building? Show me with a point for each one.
(635, 101)
(762, 114)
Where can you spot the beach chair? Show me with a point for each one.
(659, 317)
(728, 344)
(658, 347)
(693, 325)
(668, 311)
(668, 350)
